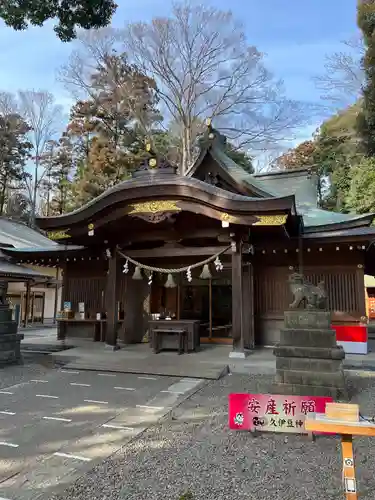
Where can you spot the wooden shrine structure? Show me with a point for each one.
(215, 246)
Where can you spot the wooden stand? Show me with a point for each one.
(343, 419)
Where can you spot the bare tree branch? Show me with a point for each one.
(99, 51)
(204, 67)
(341, 83)
(39, 110)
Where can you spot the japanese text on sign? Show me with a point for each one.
(276, 413)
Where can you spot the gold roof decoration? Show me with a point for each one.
(148, 147)
(152, 162)
(271, 220)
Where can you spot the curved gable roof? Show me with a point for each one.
(157, 185)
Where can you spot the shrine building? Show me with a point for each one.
(213, 248)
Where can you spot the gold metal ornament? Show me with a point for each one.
(270, 220)
(58, 235)
(153, 207)
(152, 163)
(148, 147)
(228, 218)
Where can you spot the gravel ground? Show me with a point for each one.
(193, 451)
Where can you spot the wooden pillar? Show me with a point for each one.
(27, 304)
(248, 306)
(360, 289)
(111, 301)
(237, 298)
(56, 296)
(210, 307)
(63, 326)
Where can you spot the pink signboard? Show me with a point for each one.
(273, 412)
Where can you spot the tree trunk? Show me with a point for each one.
(35, 192)
(2, 198)
(186, 149)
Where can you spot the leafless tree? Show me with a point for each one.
(204, 67)
(39, 110)
(90, 51)
(342, 81)
(8, 104)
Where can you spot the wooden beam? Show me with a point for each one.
(177, 251)
(178, 235)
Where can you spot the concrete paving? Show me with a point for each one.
(211, 362)
(56, 427)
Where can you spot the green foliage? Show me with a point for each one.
(187, 496)
(366, 118)
(14, 152)
(57, 182)
(70, 14)
(361, 195)
(332, 154)
(240, 157)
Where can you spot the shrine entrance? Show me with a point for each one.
(207, 300)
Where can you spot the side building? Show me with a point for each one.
(35, 289)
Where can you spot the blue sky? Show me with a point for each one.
(295, 34)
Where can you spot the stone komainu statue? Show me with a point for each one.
(307, 295)
(3, 293)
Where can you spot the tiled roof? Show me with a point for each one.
(303, 185)
(11, 270)
(19, 235)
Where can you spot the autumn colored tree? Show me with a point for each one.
(110, 127)
(302, 156)
(71, 14)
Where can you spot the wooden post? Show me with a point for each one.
(341, 418)
(248, 305)
(237, 302)
(178, 304)
(111, 301)
(27, 304)
(32, 302)
(348, 467)
(210, 307)
(43, 305)
(56, 296)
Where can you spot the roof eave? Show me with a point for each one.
(361, 221)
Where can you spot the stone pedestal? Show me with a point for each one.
(10, 340)
(308, 361)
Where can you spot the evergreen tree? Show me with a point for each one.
(366, 118)
(70, 14)
(57, 183)
(14, 152)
